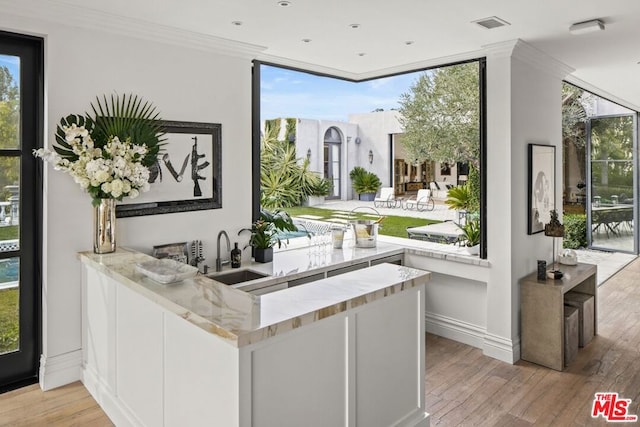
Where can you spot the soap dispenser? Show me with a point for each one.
(236, 257)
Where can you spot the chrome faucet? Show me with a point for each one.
(219, 261)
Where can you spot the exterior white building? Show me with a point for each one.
(369, 140)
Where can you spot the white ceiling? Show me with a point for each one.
(439, 30)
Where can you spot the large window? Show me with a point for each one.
(600, 170)
(412, 131)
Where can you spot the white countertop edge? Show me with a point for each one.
(451, 253)
(276, 315)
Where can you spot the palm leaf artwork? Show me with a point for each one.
(128, 117)
(64, 149)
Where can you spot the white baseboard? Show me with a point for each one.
(491, 345)
(501, 348)
(56, 371)
(455, 329)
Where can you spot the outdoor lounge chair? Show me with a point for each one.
(387, 198)
(421, 202)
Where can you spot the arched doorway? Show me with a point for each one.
(332, 166)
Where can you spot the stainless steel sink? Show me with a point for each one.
(235, 277)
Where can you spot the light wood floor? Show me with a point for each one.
(70, 405)
(462, 386)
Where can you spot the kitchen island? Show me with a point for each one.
(344, 350)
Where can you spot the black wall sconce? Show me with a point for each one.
(309, 154)
(370, 157)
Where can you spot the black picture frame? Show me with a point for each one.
(541, 186)
(191, 197)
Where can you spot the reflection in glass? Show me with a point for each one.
(612, 183)
(9, 308)
(9, 102)
(9, 204)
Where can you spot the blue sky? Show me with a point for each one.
(13, 64)
(288, 93)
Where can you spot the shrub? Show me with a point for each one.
(368, 182)
(459, 198)
(473, 183)
(357, 172)
(286, 180)
(575, 231)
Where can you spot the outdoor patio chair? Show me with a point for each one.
(387, 198)
(421, 202)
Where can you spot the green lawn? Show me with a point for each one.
(391, 226)
(9, 329)
(9, 233)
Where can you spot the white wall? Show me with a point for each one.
(374, 130)
(523, 87)
(184, 84)
(310, 135)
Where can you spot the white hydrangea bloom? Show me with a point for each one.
(113, 171)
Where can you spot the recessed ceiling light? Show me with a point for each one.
(491, 22)
(284, 3)
(236, 23)
(587, 27)
(409, 42)
(354, 26)
(306, 40)
(361, 54)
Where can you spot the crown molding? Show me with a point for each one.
(500, 49)
(58, 12)
(533, 56)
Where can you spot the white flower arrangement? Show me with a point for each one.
(114, 171)
(110, 155)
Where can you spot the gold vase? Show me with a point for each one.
(104, 227)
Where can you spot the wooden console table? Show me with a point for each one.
(542, 312)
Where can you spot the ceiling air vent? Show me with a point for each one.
(491, 22)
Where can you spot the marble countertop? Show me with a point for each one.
(242, 318)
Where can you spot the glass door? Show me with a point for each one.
(20, 201)
(332, 168)
(613, 195)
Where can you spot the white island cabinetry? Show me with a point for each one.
(344, 351)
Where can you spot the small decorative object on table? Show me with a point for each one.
(568, 257)
(109, 154)
(554, 229)
(542, 270)
(265, 233)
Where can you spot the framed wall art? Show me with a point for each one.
(541, 184)
(187, 175)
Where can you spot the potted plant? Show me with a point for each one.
(471, 236)
(265, 233)
(365, 183)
